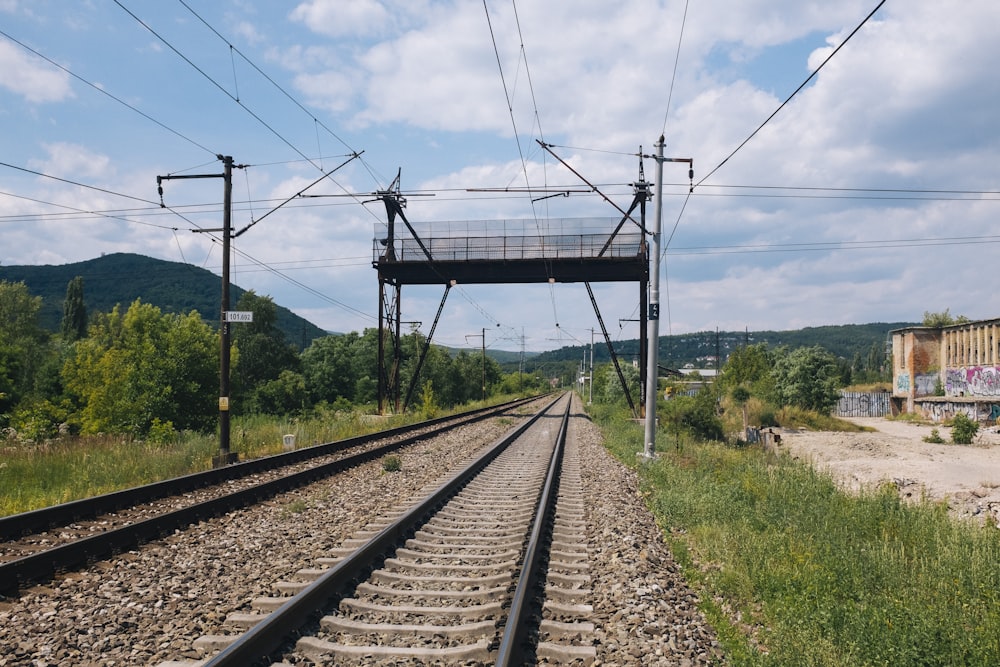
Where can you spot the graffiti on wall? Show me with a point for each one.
(940, 411)
(973, 381)
(903, 383)
(926, 385)
(863, 404)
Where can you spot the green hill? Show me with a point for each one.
(701, 348)
(121, 278)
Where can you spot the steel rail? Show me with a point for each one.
(43, 565)
(265, 638)
(515, 634)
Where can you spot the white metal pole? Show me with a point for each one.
(590, 397)
(653, 318)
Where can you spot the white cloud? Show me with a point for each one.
(335, 18)
(31, 77)
(907, 104)
(73, 162)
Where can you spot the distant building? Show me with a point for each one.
(940, 371)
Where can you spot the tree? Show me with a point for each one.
(609, 386)
(74, 321)
(283, 395)
(963, 429)
(807, 378)
(697, 415)
(943, 319)
(144, 367)
(23, 345)
(262, 349)
(326, 368)
(751, 367)
(364, 367)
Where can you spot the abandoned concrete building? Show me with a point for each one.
(941, 371)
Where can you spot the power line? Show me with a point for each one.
(218, 85)
(677, 59)
(826, 246)
(310, 290)
(78, 184)
(106, 93)
(769, 191)
(796, 91)
(266, 267)
(91, 213)
(268, 78)
(517, 137)
(97, 189)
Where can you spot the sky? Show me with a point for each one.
(867, 197)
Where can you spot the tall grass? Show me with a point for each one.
(795, 572)
(34, 476)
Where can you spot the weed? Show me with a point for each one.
(792, 417)
(392, 463)
(934, 437)
(295, 507)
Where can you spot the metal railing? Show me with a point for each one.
(561, 246)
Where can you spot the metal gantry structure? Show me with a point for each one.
(404, 256)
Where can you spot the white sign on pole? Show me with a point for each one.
(239, 316)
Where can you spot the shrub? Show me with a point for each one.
(934, 437)
(429, 407)
(963, 429)
(39, 420)
(161, 432)
(695, 415)
(392, 463)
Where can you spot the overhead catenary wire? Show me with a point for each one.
(144, 115)
(827, 246)
(222, 88)
(517, 137)
(269, 79)
(96, 214)
(256, 116)
(673, 77)
(743, 191)
(794, 93)
(770, 191)
(317, 123)
(687, 197)
(78, 184)
(109, 95)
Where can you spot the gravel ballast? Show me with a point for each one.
(146, 606)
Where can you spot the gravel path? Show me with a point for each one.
(146, 606)
(645, 612)
(967, 477)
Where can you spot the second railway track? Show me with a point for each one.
(36, 545)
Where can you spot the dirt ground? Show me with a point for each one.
(966, 476)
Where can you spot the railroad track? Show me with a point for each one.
(489, 567)
(34, 546)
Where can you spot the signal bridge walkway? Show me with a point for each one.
(512, 251)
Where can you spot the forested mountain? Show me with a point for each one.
(121, 278)
(700, 349)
